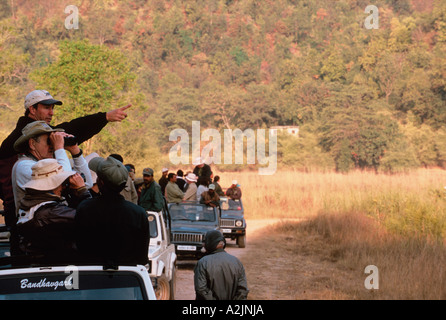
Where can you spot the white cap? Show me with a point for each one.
(40, 96)
(234, 181)
(165, 169)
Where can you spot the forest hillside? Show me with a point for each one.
(367, 98)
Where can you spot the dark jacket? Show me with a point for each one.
(218, 189)
(163, 184)
(151, 198)
(205, 171)
(234, 193)
(51, 230)
(220, 276)
(113, 230)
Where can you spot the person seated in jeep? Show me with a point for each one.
(210, 197)
(234, 192)
(45, 222)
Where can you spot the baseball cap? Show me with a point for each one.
(40, 96)
(147, 172)
(111, 171)
(212, 187)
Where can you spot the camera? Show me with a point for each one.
(70, 141)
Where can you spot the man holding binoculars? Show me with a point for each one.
(39, 105)
(39, 141)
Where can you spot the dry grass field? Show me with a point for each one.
(350, 221)
(334, 225)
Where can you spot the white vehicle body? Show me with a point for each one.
(76, 283)
(162, 257)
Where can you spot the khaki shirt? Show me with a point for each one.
(174, 193)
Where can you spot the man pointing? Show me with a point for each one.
(39, 105)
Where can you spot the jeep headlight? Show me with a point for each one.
(238, 223)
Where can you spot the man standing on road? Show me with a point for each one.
(219, 275)
(39, 105)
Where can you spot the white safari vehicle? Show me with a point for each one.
(75, 283)
(162, 257)
(30, 278)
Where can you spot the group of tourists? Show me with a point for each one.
(84, 207)
(197, 185)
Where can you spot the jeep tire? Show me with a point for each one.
(162, 291)
(241, 241)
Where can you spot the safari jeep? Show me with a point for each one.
(232, 223)
(190, 223)
(162, 257)
(74, 282)
(31, 278)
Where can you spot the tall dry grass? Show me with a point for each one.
(293, 194)
(396, 222)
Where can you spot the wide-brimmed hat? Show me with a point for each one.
(47, 174)
(111, 171)
(191, 177)
(40, 96)
(32, 130)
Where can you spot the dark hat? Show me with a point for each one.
(212, 239)
(111, 171)
(147, 172)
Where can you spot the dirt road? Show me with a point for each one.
(284, 266)
(185, 274)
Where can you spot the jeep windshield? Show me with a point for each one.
(192, 212)
(92, 285)
(228, 204)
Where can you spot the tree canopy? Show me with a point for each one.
(363, 98)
